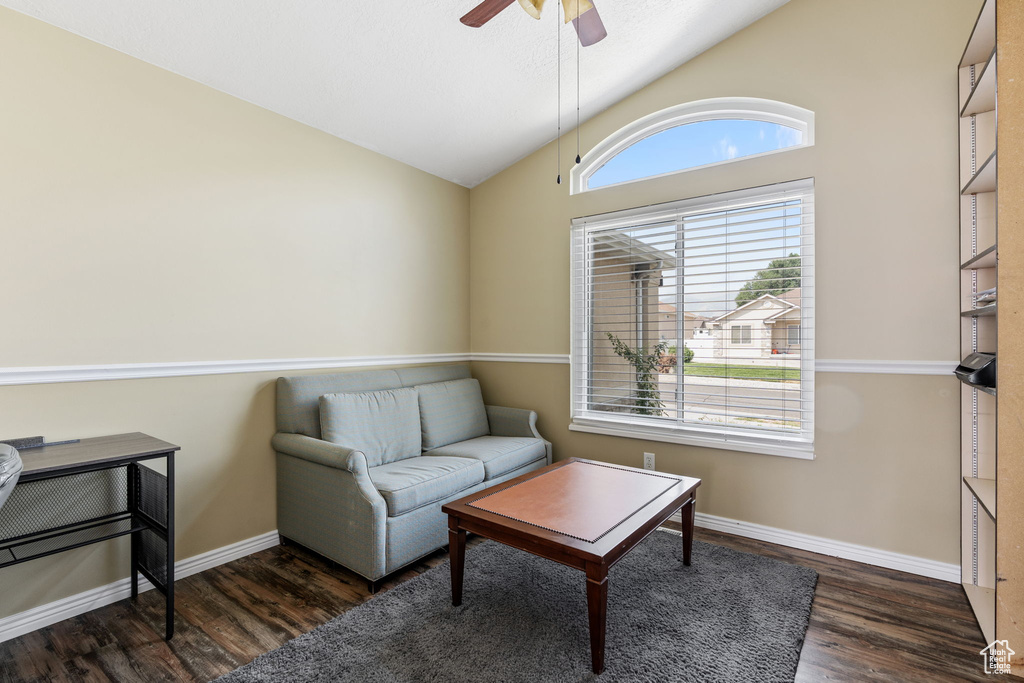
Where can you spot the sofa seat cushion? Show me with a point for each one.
(414, 482)
(384, 425)
(451, 411)
(499, 454)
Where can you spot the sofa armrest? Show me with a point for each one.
(327, 502)
(512, 422)
(321, 452)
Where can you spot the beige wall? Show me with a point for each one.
(881, 79)
(147, 218)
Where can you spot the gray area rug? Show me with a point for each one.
(731, 616)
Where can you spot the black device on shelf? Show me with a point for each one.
(978, 369)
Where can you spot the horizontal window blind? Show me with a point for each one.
(698, 316)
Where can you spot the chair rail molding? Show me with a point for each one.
(558, 358)
(50, 374)
(887, 367)
(53, 374)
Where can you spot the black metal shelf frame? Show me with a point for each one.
(50, 512)
(103, 529)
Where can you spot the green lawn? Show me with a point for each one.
(739, 371)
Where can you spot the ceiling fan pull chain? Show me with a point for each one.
(558, 104)
(577, 94)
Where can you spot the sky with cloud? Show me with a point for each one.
(692, 145)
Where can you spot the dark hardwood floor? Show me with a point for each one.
(867, 624)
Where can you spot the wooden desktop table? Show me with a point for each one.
(75, 494)
(581, 513)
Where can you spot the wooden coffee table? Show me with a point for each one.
(582, 513)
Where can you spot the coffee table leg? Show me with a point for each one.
(689, 510)
(597, 606)
(456, 557)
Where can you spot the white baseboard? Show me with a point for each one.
(826, 546)
(44, 615)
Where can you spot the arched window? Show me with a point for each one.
(694, 135)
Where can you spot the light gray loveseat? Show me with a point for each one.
(375, 506)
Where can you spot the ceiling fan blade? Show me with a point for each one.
(484, 12)
(576, 8)
(532, 7)
(589, 27)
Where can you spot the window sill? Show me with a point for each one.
(799, 450)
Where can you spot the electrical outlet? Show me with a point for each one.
(648, 461)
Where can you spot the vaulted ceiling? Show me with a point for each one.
(404, 77)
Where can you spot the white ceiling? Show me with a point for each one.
(404, 77)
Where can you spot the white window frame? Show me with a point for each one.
(638, 427)
(743, 108)
(789, 335)
(733, 329)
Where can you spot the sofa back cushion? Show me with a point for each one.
(298, 397)
(384, 425)
(451, 411)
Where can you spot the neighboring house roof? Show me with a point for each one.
(785, 311)
(793, 296)
(787, 306)
(669, 309)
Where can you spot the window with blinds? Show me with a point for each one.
(693, 322)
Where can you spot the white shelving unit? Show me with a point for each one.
(991, 89)
(984, 259)
(979, 322)
(985, 491)
(984, 179)
(986, 311)
(982, 97)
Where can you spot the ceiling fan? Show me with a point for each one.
(582, 13)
